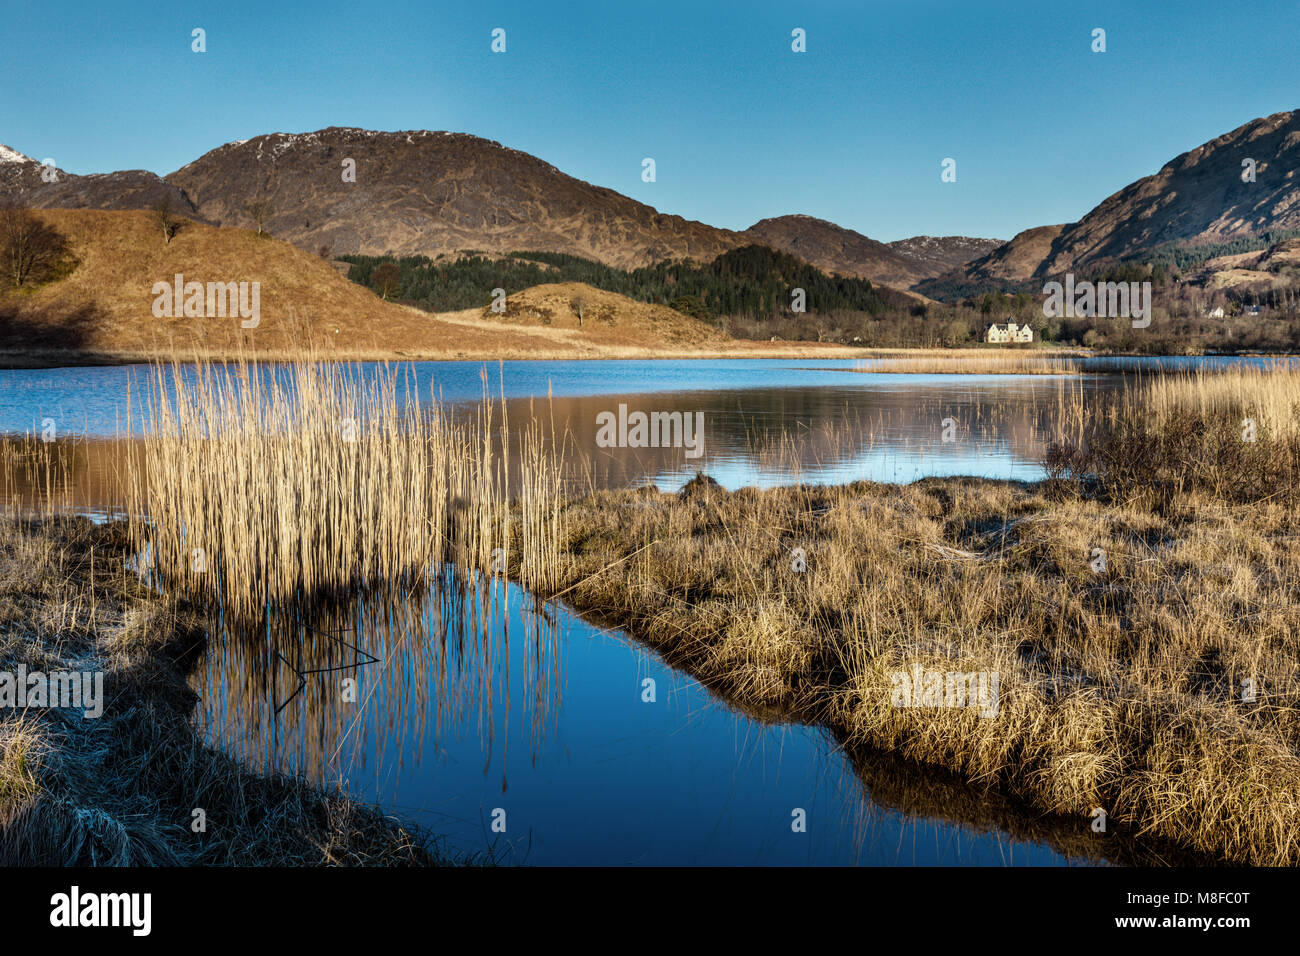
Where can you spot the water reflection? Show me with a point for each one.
(470, 699)
(891, 430)
(332, 686)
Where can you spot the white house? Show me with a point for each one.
(1216, 313)
(1011, 333)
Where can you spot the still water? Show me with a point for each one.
(472, 706)
(765, 422)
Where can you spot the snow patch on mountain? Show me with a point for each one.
(8, 155)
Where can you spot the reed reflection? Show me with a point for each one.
(332, 688)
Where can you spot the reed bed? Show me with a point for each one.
(1269, 394)
(1231, 434)
(259, 486)
(292, 502)
(36, 475)
(975, 362)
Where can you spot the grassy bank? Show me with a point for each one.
(1119, 690)
(1139, 608)
(123, 788)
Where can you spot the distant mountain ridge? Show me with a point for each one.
(935, 255)
(1199, 196)
(434, 193)
(24, 179)
(427, 193)
(836, 249)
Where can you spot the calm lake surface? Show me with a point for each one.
(470, 701)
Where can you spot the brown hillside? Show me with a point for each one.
(419, 192)
(104, 308)
(1018, 258)
(1196, 197)
(609, 320)
(1277, 267)
(834, 249)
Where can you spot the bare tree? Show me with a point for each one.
(579, 306)
(31, 250)
(166, 218)
(260, 210)
(386, 279)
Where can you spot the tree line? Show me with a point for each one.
(751, 283)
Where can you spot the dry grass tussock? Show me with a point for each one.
(120, 789)
(1119, 689)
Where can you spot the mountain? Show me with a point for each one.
(431, 193)
(24, 180)
(833, 248)
(421, 192)
(1198, 197)
(935, 255)
(1020, 258)
(428, 193)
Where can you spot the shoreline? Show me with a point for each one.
(133, 785)
(976, 575)
(31, 359)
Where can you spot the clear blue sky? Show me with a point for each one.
(741, 127)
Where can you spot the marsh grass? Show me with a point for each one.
(1233, 435)
(975, 362)
(258, 486)
(1120, 690)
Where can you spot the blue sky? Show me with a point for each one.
(741, 128)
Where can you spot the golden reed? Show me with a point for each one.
(262, 484)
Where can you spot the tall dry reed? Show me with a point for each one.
(1232, 434)
(974, 362)
(259, 485)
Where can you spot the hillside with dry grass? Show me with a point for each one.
(102, 308)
